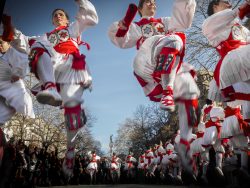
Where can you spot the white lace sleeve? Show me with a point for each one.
(20, 42)
(182, 15)
(217, 27)
(85, 17)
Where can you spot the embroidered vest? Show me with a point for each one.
(149, 28)
(61, 41)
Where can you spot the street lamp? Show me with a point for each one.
(111, 144)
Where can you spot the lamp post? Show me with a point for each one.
(111, 144)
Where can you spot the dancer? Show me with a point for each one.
(13, 94)
(158, 64)
(212, 136)
(115, 160)
(160, 44)
(93, 160)
(14, 97)
(225, 32)
(115, 163)
(238, 131)
(130, 160)
(56, 61)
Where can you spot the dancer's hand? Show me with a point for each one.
(127, 20)
(6, 19)
(121, 25)
(244, 10)
(8, 30)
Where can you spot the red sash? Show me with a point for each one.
(223, 48)
(218, 126)
(208, 109)
(128, 158)
(169, 152)
(149, 159)
(242, 124)
(200, 134)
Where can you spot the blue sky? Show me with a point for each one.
(116, 93)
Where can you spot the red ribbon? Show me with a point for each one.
(216, 124)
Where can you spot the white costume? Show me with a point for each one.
(115, 164)
(141, 162)
(171, 161)
(225, 32)
(60, 48)
(212, 137)
(214, 93)
(239, 88)
(93, 161)
(160, 153)
(213, 126)
(129, 162)
(196, 146)
(149, 158)
(233, 123)
(14, 96)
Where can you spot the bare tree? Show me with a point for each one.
(143, 130)
(123, 141)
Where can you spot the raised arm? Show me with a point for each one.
(85, 17)
(125, 34)
(214, 26)
(244, 10)
(20, 42)
(129, 40)
(12, 35)
(182, 15)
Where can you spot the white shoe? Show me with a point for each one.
(49, 96)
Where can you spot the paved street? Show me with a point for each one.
(124, 186)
